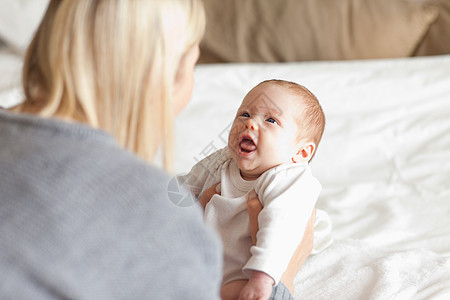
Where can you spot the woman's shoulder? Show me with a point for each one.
(74, 157)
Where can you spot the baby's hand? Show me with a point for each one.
(259, 287)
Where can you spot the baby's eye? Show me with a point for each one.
(272, 120)
(246, 115)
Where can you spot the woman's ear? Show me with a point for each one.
(184, 79)
(305, 152)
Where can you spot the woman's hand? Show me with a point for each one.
(254, 207)
(207, 195)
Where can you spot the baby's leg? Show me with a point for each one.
(231, 290)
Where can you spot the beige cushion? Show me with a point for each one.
(296, 30)
(437, 40)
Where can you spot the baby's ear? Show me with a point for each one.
(305, 152)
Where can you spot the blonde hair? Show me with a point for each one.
(112, 64)
(310, 119)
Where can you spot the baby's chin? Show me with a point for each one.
(249, 176)
(254, 173)
(251, 167)
(247, 170)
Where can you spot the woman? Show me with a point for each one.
(82, 213)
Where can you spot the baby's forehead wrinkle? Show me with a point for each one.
(263, 102)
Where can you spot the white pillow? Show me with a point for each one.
(19, 20)
(10, 87)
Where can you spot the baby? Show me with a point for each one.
(274, 135)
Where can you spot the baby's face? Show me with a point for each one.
(264, 132)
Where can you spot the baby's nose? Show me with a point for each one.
(251, 124)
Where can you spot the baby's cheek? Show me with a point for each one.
(233, 136)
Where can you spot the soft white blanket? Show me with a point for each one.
(352, 269)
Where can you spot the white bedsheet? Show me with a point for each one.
(384, 163)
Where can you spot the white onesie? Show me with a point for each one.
(288, 194)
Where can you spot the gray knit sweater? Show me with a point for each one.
(81, 218)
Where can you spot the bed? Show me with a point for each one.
(384, 163)
(384, 160)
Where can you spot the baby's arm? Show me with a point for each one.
(288, 204)
(303, 250)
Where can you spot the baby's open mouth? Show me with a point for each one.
(247, 145)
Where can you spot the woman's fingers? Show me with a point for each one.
(254, 207)
(207, 195)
